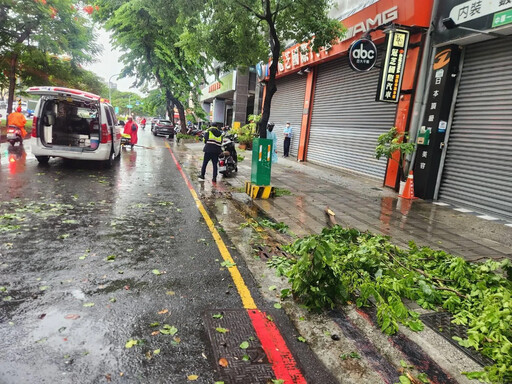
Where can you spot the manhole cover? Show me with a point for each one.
(228, 330)
(267, 253)
(441, 323)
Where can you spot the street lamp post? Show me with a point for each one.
(109, 92)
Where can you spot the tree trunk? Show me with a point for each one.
(183, 119)
(271, 85)
(12, 81)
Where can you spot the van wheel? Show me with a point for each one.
(43, 159)
(111, 158)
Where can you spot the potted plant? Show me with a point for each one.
(248, 132)
(393, 141)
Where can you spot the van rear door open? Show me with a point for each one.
(63, 93)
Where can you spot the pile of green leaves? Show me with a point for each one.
(341, 265)
(184, 136)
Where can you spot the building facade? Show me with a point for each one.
(467, 158)
(332, 108)
(230, 97)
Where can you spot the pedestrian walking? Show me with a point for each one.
(131, 128)
(212, 149)
(272, 136)
(287, 132)
(18, 119)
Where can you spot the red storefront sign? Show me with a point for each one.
(403, 12)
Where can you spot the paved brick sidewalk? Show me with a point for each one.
(363, 203)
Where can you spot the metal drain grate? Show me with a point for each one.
(266, 252)
(244, 366)
(441, 323)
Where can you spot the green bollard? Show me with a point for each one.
(261, 161)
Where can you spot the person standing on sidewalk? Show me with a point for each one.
(212, 149)
(287, 132)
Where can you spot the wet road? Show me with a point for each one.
(92, 258)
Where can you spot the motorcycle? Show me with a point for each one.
(14, 135)
(228, 157)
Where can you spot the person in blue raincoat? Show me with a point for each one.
(271, 135)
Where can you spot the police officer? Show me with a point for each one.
(212, 150)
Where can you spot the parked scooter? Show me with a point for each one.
(14, 135)
(228, 157)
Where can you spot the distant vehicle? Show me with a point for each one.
(74, 124)
(163, 128)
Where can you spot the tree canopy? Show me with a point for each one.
(244, 32)
(50, 27)
(149, 35)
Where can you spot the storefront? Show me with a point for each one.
(332, 108)
(287, 105)
(475, 160)
(230, 97)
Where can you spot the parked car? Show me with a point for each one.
(74, 124)
(163, 128)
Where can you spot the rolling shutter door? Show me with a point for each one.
(287, 105)
(346, 119)
(478, 165)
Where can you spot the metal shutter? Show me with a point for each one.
(478, 166)
(287, 105)
(347, 120)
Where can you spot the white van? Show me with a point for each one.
(74, 124)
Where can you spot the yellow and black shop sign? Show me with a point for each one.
(392, 72)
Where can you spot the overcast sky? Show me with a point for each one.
(107, 64)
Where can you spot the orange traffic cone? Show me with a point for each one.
(408, 192)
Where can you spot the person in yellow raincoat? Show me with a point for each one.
(18, 119)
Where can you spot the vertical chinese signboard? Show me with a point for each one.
(431, 134)
(392, 72)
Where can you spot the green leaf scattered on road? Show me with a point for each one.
(44, 288)
(169, 330)
(218, 316)
(244, 345)
(7, 298)
(156, 272)
(301, 339)
(272, 288)
(277, 306)
(111, 257)
(227, 264)
(221, 330)
(155, 324)
(156, 352)
(246, 358)
(88, 304)
(130, 343)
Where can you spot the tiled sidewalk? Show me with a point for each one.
(362, 202)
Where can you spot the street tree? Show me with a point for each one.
(36, 67)
(52, 26)
(153, 55)
(244, 32)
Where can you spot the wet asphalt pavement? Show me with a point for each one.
(92, 257)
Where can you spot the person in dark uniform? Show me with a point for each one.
(212, 149)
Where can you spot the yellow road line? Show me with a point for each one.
(240, 285)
